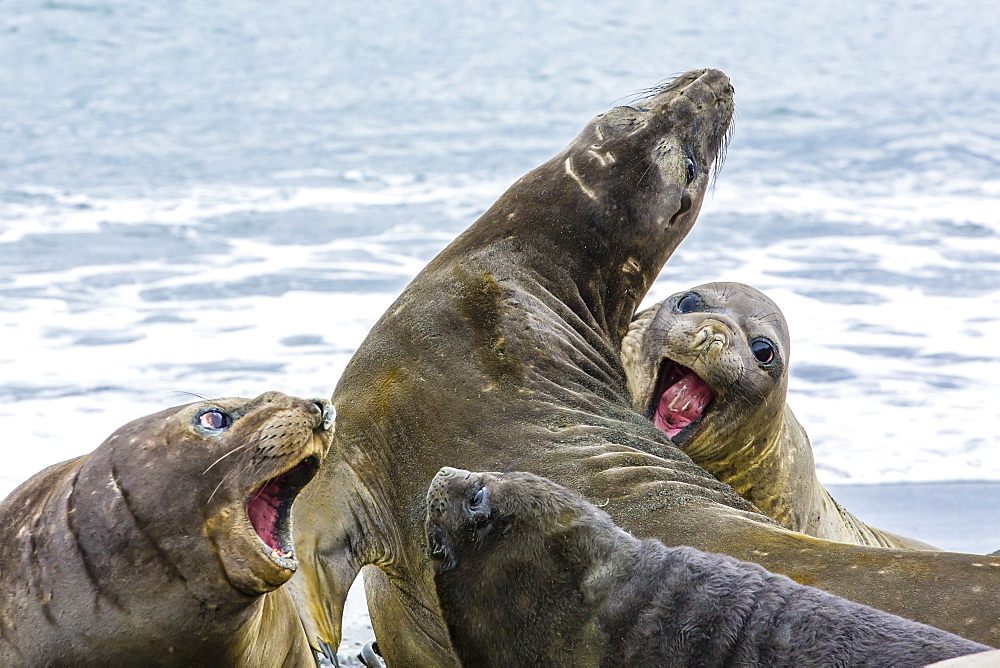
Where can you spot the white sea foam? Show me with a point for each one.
(56, 210)
(889, 205)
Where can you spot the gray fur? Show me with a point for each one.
(541, 577)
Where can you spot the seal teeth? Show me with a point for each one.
(681, 399)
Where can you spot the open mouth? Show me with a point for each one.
(680, 400)
(269, 508)
(440, 547)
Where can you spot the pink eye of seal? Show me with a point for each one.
(213, 420)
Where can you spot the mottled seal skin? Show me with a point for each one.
(167, 544)
(505, 350)
(529, 573)
(709, 366)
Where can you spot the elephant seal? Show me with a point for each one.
(505, 351)
(529, 573)
(709, 367)
(167, 544)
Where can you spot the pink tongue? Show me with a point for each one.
(263, 512)
(681, 404)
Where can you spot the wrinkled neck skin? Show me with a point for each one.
(768, 460)
(503, 348)
(768, 467)
(154, 599)
(757, 458)
(332, 521)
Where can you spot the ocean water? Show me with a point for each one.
(221, 198)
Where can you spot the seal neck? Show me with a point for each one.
(770, 466)
(598, 256)
(136, 575)
(332, 546)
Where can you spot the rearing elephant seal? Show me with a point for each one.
(709, 366)
(528, 573)
(505, 350)
(167, 544)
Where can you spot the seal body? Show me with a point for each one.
(709, 367)
(505, 352)
(529, 573)
(168, 544)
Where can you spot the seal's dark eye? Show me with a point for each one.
(763, 350)
(214, 420)
(692, 168)
(688, 304)
(478, 499)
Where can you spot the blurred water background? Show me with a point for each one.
(221, 198)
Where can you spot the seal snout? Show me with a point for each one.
(712, 338)
(456, 500)
(325, 413)
(448, 484)
(704, 83)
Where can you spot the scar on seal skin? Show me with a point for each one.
(709, 367)
(529, 573)
(168, 544)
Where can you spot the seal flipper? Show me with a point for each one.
(329, 652)
(369, 655)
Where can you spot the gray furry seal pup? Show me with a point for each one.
(167, 544)
(506, 348)
(709, 367)
(529, 573)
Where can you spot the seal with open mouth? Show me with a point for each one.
(529, 573)
(506, 349)
(709, 367)
(167, 544)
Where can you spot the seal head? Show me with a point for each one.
(278, 450)
(514, 569)
(709, 367)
